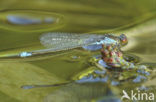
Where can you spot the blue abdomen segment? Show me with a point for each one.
(25, 54)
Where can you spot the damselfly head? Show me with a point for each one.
(123, 39)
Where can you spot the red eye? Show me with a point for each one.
(123, 39)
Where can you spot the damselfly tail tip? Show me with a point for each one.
(27, 87)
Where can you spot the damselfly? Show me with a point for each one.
(64, 41)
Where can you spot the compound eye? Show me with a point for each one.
(123, 39)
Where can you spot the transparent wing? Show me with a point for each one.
(60, 41)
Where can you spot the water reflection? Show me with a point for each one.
(13, 19)
(29, 20)
(86, 92)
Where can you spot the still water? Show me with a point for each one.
(22, 22)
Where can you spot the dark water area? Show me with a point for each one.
(22, 22)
